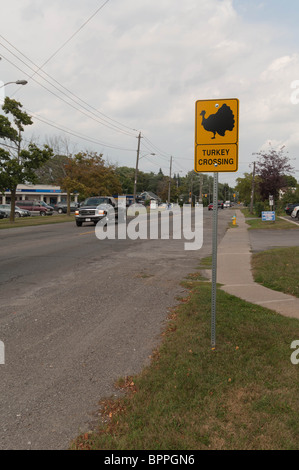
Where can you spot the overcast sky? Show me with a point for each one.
(107, 70)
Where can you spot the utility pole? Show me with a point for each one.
(252, 189)
(191, 192)
(169, 183)
(136, 170)
(200, 188)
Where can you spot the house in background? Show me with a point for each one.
(147, 196)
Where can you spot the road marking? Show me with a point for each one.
(85, 233)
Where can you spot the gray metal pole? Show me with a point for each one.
(136, 170)
(169, 182)
(214, 259)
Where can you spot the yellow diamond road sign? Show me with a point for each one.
(216, 135)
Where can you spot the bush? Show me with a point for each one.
(259, 207)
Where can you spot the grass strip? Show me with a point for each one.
(242, 395)
(277, 269)
(278, 224)
(36, 220)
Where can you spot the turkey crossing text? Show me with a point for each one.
(218, 158)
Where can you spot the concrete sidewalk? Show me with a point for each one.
(234, 272)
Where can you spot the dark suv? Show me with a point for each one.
(35, 207)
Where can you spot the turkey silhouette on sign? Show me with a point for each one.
(216, 121)
(220, 122)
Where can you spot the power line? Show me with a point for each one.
(156, 148)
(70, 131)
(73, 35)
(76, 134)
(56, 81)
(96, 119)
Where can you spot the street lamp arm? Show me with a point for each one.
(146, 155)
(18, 82)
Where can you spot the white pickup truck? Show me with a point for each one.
(96, 208)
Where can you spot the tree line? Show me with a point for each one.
(87, 173)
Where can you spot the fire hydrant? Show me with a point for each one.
(234, 219)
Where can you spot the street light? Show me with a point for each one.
(18, 82)
(136, 170)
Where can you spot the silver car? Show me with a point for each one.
(18, 212)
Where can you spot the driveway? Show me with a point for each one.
(261, 240)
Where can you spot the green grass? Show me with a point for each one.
(278, 269)
(278, 224)
(242, 395)
(247, 214)
(205, 263)
(36, 220)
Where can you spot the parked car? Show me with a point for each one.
(295, 213)
(3, 215)
(61, 207)
(35, 207)
(290, 207)
(21, 212)
(220, 205)
(6, 208)
(47, 206)
(227, 204)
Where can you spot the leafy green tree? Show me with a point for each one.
(290, 196)
(272, 166)
(88, 174)
(290, 181)
(126, 177)
(17, 164)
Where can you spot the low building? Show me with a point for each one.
(40, 192)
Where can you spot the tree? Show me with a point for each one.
(53, 170)
(244, 188)
(272, 167)
(126, 177)
(291, 196)
(88, 174)
(290, 181)
(17, 164)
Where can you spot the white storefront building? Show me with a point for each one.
(39, 192)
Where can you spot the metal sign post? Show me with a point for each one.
(216, 150)
(214, 260)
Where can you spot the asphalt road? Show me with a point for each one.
(76, 314)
